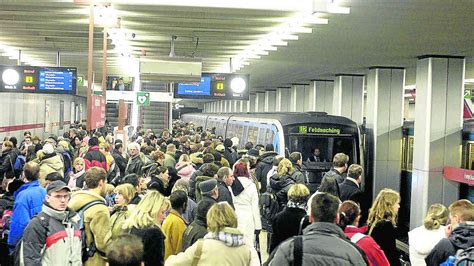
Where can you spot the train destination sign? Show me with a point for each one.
(318, 130)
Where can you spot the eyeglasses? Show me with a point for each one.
(59, 197)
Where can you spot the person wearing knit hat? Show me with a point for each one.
(49, 163)
(209, 190)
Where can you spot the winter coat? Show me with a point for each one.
(421, 241)
(217, 252)
(50, 164)
(462, 237)
(323, 244)
(134, 165)
(79, 180)
(247, 210)
(349, 190)
(185, 170)
(297, 175)
(169, 161)
(279, 186)
(7, 160)
(120, 161)
(117, 220)
(198, 181)
(384, 234)
(285, 225)
(264, 164)
(224, 193)
(335, 174)
(52, 238)
(153, 241)
(230, 156)
(173, 227)
(28, 202)
(195, 231)
(95, 158)
(189, 213)
(192, 181)
(375, 254)
(96, 223)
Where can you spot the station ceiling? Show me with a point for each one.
(375, 33)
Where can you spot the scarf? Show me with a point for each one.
(73, 177)
(299, 205)
(231, 237)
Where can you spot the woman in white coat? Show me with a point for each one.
(246, 202)
(423, 239)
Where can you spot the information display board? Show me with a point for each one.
(202, 88)
(56, 79)
(216, 86)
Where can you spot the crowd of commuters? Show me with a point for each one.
(189, 197)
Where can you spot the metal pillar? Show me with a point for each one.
(348, 96)
(282, 99)
(270, 98)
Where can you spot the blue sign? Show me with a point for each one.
(202, 88)
(56, 80)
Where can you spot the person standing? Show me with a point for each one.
(93, 157)
(264, 165)
(51, 237)
(174, 225)
(225, 178)
(198, 228)
(339, 163)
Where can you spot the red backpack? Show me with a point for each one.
(5, 224)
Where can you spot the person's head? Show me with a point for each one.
(96, 179)
(27, 134)
(298, 193)
(125, 250)
(119, 147)
(296, 158)
(79, 164)
(51, 177)
(133, 149)
(202, 209)
(179, 200)
(461, 211)
(285, 167)
(330, 185)
(14, 141)
(171, 149)
(219, 216)
(124, 193)
(226, 175)
(269, 147)
(31, 171)
(276, 160)
(324, 208)
(248, 145)
(208, 158)
(384, 207)
(355, 171)
(7, 145)
(150, 211)
(94, 141)
(158, 156)
(57, 195)
(36, 140)
(48, 149)
(349, 214)
(77, 140)
(104, 147)
(241, 169)
(340, 161)
(181, 184)
(316, 152)
(28, 141)
(209, 188)
(132, 179)
(436, 216)
(184, 158)
(210, 169)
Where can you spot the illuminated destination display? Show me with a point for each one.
(318, 130)
(56, 80)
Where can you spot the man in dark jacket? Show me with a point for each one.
(460, 234)
(349, 189)
(198, 228)
(120, 161)
(339, 163)
(209, 190)
(297, 160)
(95, 158)
(225, 178)
(264, 164)
(323, 242)
(135, 163)
(228, 152)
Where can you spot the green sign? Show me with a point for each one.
(143, 98)
(80, 81)
(467, 94)
(318, 130)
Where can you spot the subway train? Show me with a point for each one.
(290, 132)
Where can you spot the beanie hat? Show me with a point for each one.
(253, 152)
(208, 186)
(48, 149)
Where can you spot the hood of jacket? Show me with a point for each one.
(82, 197)
(324, 228)
(187, 170)
(268, 156)
(462, 236)
(423, 240)
(54, 162)
(279, 182)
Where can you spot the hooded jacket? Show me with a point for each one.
(95, 158)
(135, 165)
(185, 170)
(421, 241)
(264, 164)
(462, 237)
(279, 186)
(195, 231)
(8, 159)
(50, 164)
(375, 254)
(52, 238)
(96, 223)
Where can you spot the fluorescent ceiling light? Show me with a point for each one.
(336, 9)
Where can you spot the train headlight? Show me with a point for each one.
(10, 76)
(238, 85)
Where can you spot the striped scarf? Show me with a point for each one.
(230, 239)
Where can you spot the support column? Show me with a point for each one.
(438, 128)
(270, 97)
(282, 99)
(321, 94)
(348, 96)
(384, 123)
(221, 106)
(297, 97)
(245, 106)
(235, 106)
(252, 102)
(260, 102)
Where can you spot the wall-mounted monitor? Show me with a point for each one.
(192, 89)
(215, 86)
(57, 80)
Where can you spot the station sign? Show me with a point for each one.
(30, 79)
(215, 86)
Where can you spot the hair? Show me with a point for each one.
(436, 216)
(131, 179)
(31, 171)
(248, 145)
(180, 184)
(285, 167)
(295, 156)
(79, 160)
(14, 141)
(105, 146)
(133, 145)
(208, 158)
(93, 177)
(54, 176)
(277, 159)
(178, 199)
(157, 155)
(355, 171)
(94, 141)
(219, 216)
(128, 191)
(145, 213)
(8, 144)
(269, 147)
(118, 146)
(210, 170)
(464, 209)
(223, 171)
(330, 185)
(171, 148)
(340, 160)
(348, 213)
(184, 158)
(125, 250)
(109, 188)
(382, 208)
(241, 169)
(298, 193)
(324, 207)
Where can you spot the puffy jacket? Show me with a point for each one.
(264, 164)
(8, 159)
(323, 244)
(96, 223)
(298, 175)
(285, 225)
(421, 241)
(185, 170)
(375, 254)
(28, 202)
(462, 237)
(95, 158)
(50, 164)
(384, 234)
(280, 186)
(247, 210)
(117, 220)
(52, 238)
(169, 161)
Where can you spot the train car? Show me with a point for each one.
(291, 132)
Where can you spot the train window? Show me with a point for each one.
(252, 134)
(239, 131)
(328, 146)
(269, 137)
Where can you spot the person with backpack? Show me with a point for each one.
(6, 211)
(264, 165)
(281, 181)
(50, 238)
(64, 151)
(95, 217)
(323, 242)
(8, 160)
(49, 162)
(28, 202)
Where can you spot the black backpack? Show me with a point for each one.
(87, 251)
(465, 257)
(269, 207)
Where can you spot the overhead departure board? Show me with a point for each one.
(56, 79)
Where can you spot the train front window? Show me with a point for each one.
(328, 146)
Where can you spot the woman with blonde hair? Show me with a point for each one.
(123, 195)
(145, 221)
(223, 245)
(185, 167)
(281, 182)
(422, 239)
(77, 176)
(382, 223)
